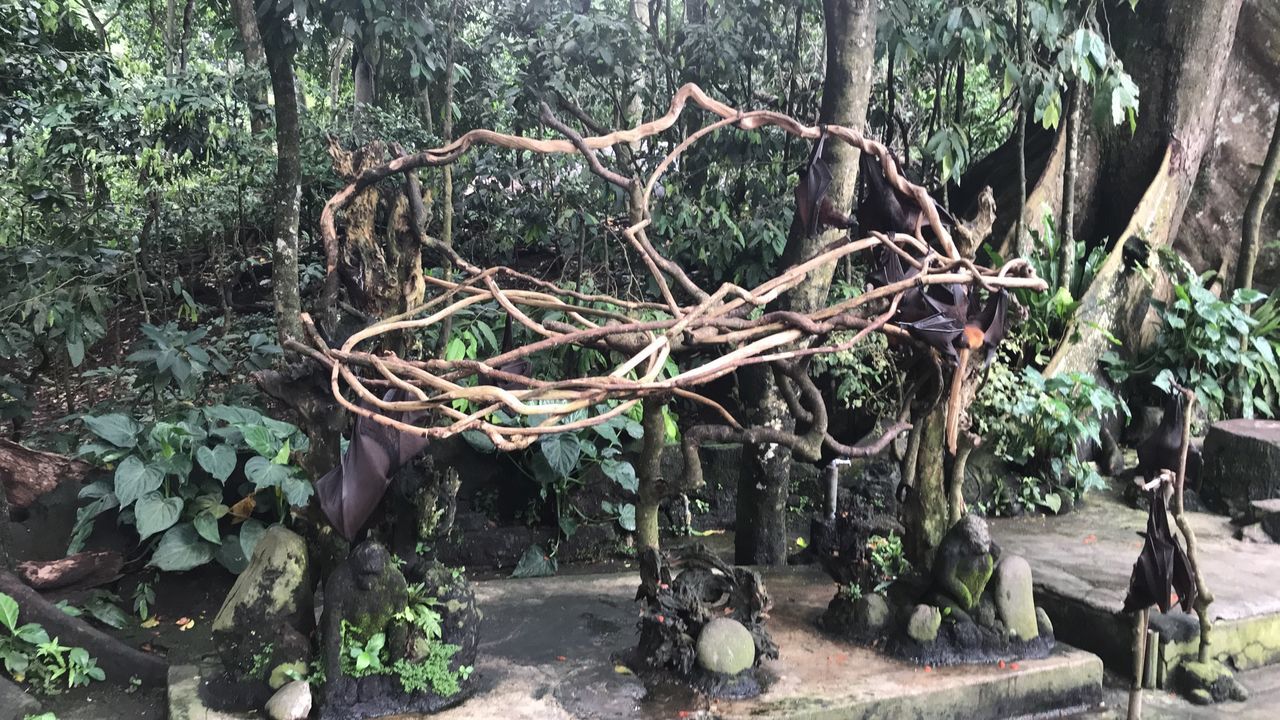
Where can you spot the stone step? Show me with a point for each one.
(1082, 563)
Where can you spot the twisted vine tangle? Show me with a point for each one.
(731, 326)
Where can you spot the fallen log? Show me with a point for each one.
(119, 661)
(74, 572)
(27, 474)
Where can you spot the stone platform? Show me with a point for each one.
(1082, 564)
(549, 648)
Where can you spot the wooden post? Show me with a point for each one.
(1139, 664)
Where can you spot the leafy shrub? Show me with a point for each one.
(1037, 424)
(1211, 345)
(170, 480)
(175, 360)
(30, 656)
(561, 462)
(1049, 314)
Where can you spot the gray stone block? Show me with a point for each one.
(1241, 464)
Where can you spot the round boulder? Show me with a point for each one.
(1015, 598)
(873, 613)
(924, 623)
(291, 702)
(725, 646)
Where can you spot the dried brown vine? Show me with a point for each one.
(731, 320)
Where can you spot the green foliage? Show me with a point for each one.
(170, 478)
(432, 672)
(1038, 424)
(361, 658)
(29, 655)
(1049, 314)
(888, 560)
(175, 361)
(866, 377)
(1212, 345)
(427, 668)
(144, 598)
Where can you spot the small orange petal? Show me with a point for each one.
(561, 658)
(928, 668)
(1013, 666)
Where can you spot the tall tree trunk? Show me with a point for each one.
(1067, 221)
(255, 61)
(766, 470)
(446, 130)
(1177, 52)
(926, 511)
(287, 202)
(1253, 213)
(1020, 128)
(649, 475)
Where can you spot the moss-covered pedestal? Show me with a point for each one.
(392, 647)
(973, 606)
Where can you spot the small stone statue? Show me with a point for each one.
(366, 596)
(964, 563)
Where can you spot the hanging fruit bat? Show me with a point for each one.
(350, 492)
(1162, 568)
(1162, 449)
(883, 208)
(813, 205)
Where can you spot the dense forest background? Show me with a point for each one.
(165, 165)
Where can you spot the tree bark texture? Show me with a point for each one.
(287, 200)
(74, 572)
(27, 474)
(649, 473)
(926, 512)
(1250, 238)
(1177, 52)
(764, 482)
(255, 62)
(1246, 120)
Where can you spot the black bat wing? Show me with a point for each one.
(886, 267)
(350, 492)
(938, 331)
(993, 321)
(881, 209)
(812, 189)
(1152, 580)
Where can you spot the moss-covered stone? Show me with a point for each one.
(965, 562)
(725, 646)
(1209, 682)
(1015, 598)
(266, 617)
(924, 623)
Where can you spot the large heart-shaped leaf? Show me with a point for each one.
(621, 472)
(155, 513)
(135, 479)
(8, 611)
(562, 451)
(219, 461)
(181, 548)
(119, 430)
(265, 473)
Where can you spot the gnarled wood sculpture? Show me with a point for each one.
(725, 322)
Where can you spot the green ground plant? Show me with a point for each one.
(1221, 347)
(1037, 425)
(30, 655)
(169, 480)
